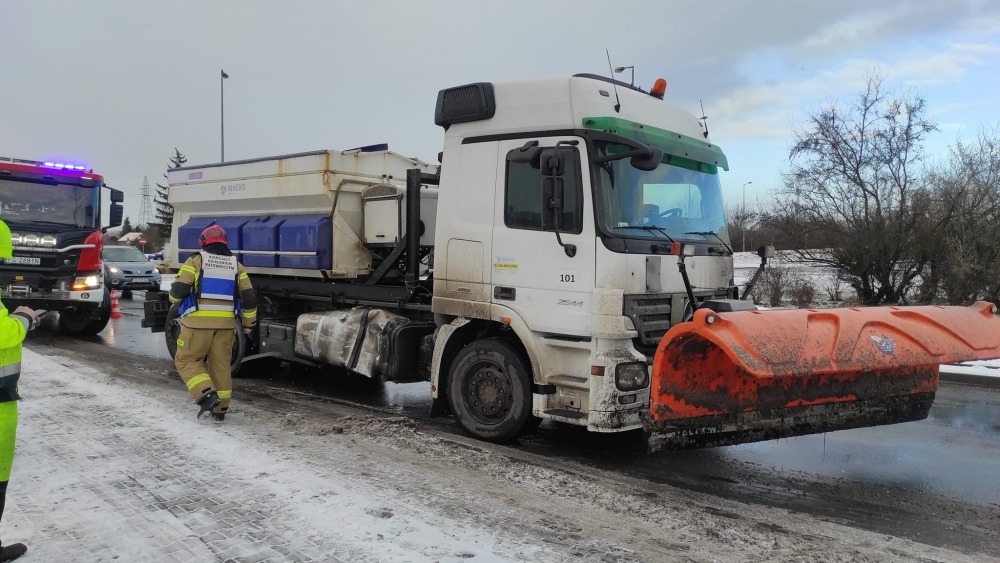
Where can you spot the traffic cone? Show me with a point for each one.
(116, 313)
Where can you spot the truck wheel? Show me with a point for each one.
(172, 329)
(87, 322)
(489, 390)
(239, 349)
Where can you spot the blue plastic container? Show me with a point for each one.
(189, 233)
(306, 233)
(234, 232)
(261, 234)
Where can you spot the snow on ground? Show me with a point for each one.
(114, 467)
(104, 471)
(987, 370)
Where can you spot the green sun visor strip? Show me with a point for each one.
(679, 147)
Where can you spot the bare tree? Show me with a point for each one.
(966, 262)
(741, 222)
(856, 174)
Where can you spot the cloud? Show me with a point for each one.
(945, 67)
(859, 28)
(764, 111)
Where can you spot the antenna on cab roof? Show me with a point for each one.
(703, 119)
(618, 103)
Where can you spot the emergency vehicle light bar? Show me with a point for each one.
(61, 166)
(56, 165)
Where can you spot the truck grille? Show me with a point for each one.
(651, 316)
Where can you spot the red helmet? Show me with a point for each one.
(212, 234)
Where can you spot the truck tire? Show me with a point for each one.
(489, 390)
(172, 329)
(87, 323)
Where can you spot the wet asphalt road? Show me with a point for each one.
(936, 481)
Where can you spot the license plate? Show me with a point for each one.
(25, 260)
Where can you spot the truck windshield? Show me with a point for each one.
(64, 204)
(681, 199)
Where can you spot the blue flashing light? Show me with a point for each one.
(63, 166)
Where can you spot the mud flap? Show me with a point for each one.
(731, 378)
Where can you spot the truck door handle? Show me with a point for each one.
(504, 293)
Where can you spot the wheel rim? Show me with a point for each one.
(74, 319)
(489, 392)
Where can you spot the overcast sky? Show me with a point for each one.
(117, 84)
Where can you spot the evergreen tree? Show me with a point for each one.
(165, 211)
(127, 226)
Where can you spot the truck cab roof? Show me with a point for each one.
(556, 104)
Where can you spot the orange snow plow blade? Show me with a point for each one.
(748, 376)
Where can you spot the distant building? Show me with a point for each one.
(130, 238)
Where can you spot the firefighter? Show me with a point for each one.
(13, 328)
(212, 288)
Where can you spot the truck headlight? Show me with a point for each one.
(632, 376)
(86, 282)
(47, 240)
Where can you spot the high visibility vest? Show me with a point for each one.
(216, 281)
(12, 334)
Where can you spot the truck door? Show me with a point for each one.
(548, 283)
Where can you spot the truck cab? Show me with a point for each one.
(54, 214)
(568, 261)
(564, 199)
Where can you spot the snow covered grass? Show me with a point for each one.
(790, 283)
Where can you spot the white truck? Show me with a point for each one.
(535, 273)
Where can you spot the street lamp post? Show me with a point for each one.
(743, 228)
(222, 110)
(622, 69)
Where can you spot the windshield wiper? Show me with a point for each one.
(647, 228)
(714, 234)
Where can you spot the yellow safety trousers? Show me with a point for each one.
(197, 347)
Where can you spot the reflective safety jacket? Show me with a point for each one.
(212, 288)
(13, 328)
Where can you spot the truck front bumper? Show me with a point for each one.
(55, 300)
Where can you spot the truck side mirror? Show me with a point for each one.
(116, 213)
(766, 252)
(553, 163)
(117, 196)
(649, 162)
(552, 202)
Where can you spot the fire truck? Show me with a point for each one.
(54, 211)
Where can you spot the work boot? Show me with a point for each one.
(12, 551)
(220, 416)
(207, 402)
